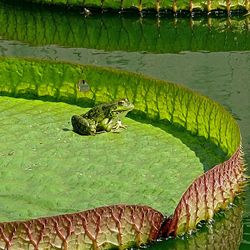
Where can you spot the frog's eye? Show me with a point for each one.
(121, 102)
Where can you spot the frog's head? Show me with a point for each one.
(122, 107)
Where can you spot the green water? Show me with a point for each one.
(221, 74)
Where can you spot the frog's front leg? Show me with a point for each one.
(117, 126)
(83, 126)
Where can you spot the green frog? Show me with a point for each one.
(102, 118)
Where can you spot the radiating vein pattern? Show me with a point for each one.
(101, 228)
(157, 5)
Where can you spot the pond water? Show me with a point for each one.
(222, 75)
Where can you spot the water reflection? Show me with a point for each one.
(116, 32)
(224, 233)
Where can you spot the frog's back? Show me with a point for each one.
(99, 112)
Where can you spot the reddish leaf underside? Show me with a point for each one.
(101, 228)
(209, 193)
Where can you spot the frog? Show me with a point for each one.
(102, 118)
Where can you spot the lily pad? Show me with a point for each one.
(48, 169)
(174, 135)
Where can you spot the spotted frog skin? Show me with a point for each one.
(102, 118)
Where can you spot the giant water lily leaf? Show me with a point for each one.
(67, 172)
(119, 33)
(155, 100)
(173, 137)
(153, 4)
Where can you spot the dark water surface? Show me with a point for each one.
(223, 76)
